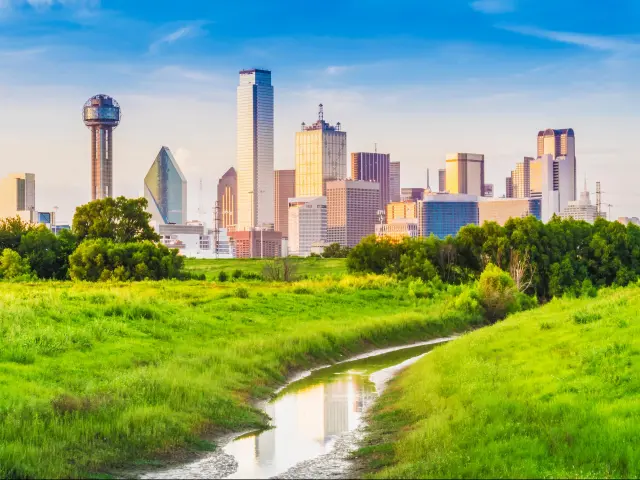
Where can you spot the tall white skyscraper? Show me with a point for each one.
(255, 150)
(561, 145)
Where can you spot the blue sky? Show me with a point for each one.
(420, 78)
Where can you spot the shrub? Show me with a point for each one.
(497, 293)
(14, 267)
(241, 292)
(222, 276)
(584, 317)
(237, 274)
(280, 270)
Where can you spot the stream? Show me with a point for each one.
(317, 419)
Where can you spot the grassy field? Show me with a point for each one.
(311, 267)
(96, 376)
(547, 393)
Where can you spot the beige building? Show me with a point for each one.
(401, 210)
(520, 180)
(228, 199)
(398, 229)
(321, 157)
(17, 194)
(284, 189)
(352, 207)
(500, 210)
(465, 173)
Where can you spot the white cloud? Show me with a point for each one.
(183, 32)
(493, 6)
(46, 4)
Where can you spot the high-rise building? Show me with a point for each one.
(352, 207)
(442, 180)
(255, 149)
(401, 210)
(465, 173)
(307, 224)
(519, 183)
(561, 145)
(509, 186)
(17, 194)
(545, 173)
(394, 182)
(445, 214)
(101, 114)
(165, 188)
(321, 156)
(228, 199)
(284, 189)
(500, 210)
(581, 209)
(373, 167)
(410, 193)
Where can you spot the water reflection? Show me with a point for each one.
(310, 415)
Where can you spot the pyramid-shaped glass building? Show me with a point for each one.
(165, 188)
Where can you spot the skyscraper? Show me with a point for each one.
(442, 180)
(521, 179)
(373, 167)
(284, 189)
(465, 173)
(101, 114)
(165, 188)
(561, 145)
(352, 207)
(545, 184)
(394, 182)
(321, 156)
(509, 186)
(17, 194)
(228, 199)
(255, 149)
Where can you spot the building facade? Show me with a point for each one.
(394, 181)
(398, 229)
(442, 180)
(465, 174)
(307, 224)
(545, 185)
(256, 243)
(284, 189)
(352, 207)
(561, 145)
(500, 210)
(373, 167)
(411, 194)
(521, 179)
(193, 240)
(445, 214)
(402, 210)
(17, 194)
(321, 157)
(255, 149)
(228, 199)
(165, 188)
(581, 209)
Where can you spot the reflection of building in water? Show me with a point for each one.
(360, 394)
(336, 408)
(265, 443)
(309, 412)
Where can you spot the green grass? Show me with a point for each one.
(311, 267)
(97, 376)
(552, 392)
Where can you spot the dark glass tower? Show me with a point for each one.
(101, 114)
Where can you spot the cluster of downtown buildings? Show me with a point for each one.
(263, 212)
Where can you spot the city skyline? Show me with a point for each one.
(514, 71)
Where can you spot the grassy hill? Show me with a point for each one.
(552, 392)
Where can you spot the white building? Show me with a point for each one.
(398, 229)
(307, 224)
(545, 185)
(255, 150)
(194, 240)
(581, 209)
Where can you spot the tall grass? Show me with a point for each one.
(94, 376)
(308, 267)
(545, 394)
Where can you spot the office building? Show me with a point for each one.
(509, 187)
(398, 229)
(394, 182)
(352, 207)
(321, 156)
(402, 210)
(165, 188)
(255, 149)
(252, 243)
(561, 145)
(465, 174)
(445, 214)
(545, 185)
(228, 199)
(442, 180)
(500, 210)
(101, 114)
(17, 194)
(307, 224)
(521, 179)
(581, 209)
(284, 189)
(373, 167)
(194, 240)
(412, 194)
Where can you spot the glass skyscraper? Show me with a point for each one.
(255, 150)
(165, 188)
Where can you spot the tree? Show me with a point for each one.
(122, 220)
(13, 266)
(335, 250)
(11, 231)
(497, 293)
(521, 270)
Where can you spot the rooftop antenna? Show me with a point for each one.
(375, 147)
(321, 113)
(428, 186)
(598, 200)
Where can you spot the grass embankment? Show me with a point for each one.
(97, 376)
(310, 267)
(546, 393)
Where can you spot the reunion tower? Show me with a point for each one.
(101, 114)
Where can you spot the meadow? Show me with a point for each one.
(96, 377)
(305, 267)
(549, 393)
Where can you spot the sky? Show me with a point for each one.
(419, 78)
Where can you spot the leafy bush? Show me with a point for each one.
(14, 267)
(279, 270)
(237, 274)
(222, 276)
(241, 292)
(335, 250)
(497, 293)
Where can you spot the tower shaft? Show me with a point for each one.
(101, 162)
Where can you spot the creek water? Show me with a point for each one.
(317, 421)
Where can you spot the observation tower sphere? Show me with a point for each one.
(101, 114)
